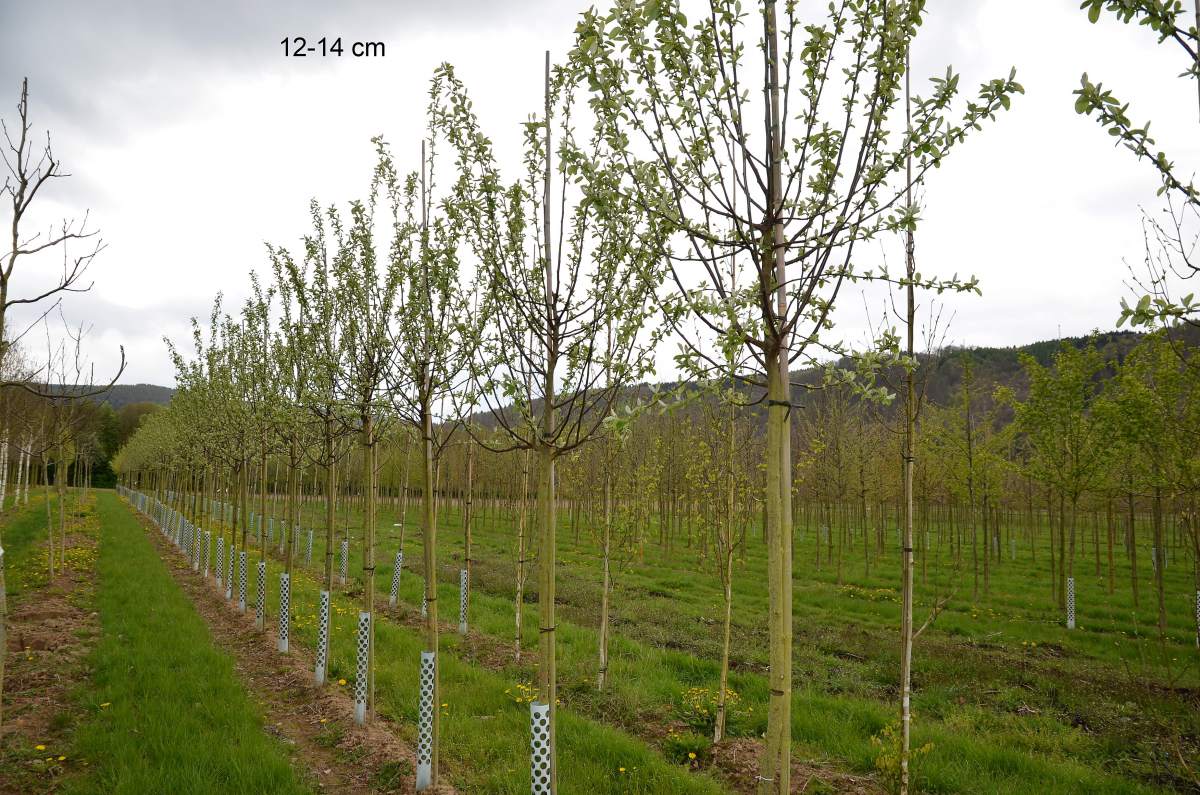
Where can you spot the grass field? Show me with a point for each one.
(1006, 697)
(168, 712)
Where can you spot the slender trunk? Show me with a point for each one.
(468, 517)
(776, 761)
(429, 510)
(547, 678)
(522, 523)
(1161, 558)
(3, 625)
(49, 516)
(1131, 541)
(605, 545)
(910, 419)
(370, 449)
(726, 550)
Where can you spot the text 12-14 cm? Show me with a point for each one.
(298, 46)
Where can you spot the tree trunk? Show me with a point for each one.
(606, 548)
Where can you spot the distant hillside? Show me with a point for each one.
(993, 366)
(122, 395)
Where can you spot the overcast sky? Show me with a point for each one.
(193, 140)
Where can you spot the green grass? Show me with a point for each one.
(23, 568)
(168, 712)
(1010, 700)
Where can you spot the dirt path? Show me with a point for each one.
(337, 754)
(51, 631)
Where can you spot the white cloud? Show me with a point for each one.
(194, 141)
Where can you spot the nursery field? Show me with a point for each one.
(1006, 698)
(634, 424)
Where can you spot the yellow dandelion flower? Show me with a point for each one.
(620, 770)
(691, 754)
(341, 681)
(39, 748)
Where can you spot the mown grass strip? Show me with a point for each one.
(170, 713)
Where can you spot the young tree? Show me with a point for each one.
(551, 373)
(673, 99)
(437, 322)
(367, 288)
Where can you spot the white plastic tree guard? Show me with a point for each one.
(308, 553)
(1070, 603)
(343, 568)
(463, 585)
(322, 638)
(425, 599)
(220, 561)
(539, 748)
(425, 721)
(242, 581)
(285, 610)
(229, 574)
(207, 547)
(362, 672)
(260, 597)
(396, 578)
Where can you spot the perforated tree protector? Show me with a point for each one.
(308, 553)
(242, 582)
(344, 567)
(285, 608)
(220, 561)
(396, 577)
(361, 675)
(229, 574)
(1198, 619)
(206, 550)
(1070, 603)
(260, 596)
(463, 585)
(322, 638)
(271, 529)
(424, 601)
(425, 721)
(539, 748)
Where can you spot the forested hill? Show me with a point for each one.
(991, 367)
(121, 395)
(996, 366)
